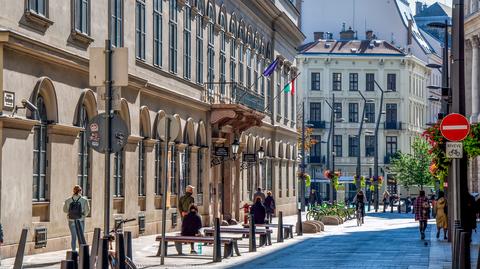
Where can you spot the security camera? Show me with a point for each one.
(29, 105)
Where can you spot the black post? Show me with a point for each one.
(21, 250)
(280, 227)
(67, 264)
(375, 162)
(252, 243)
(359, 164)
(299, 223)
(128, 244)
(102, 261)
(302, 177)
(463, 254)
(334, 118)
(163, 243)
(73, 256)
(217, 245)
(95, 245)
(108, 122)
(84, 262)
(120, 250)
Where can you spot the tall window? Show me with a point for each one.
(280, 178)
(82, 16)
(249, 67)
(83, 153)
(337, 145)
(211, 55)
(140, 30)
(391, 145)
(337, 108)
(285, 101)
(38, 6)
(268, 168)
(240, 65)
(256, 66)
(316, 148)
(269, 95)
(118, 174)
(279, 98)
(370, 112)
(233, 60)
(352, 146)
(200, 171)
(391, 110)
(199, 48)
(353, 85)
(187, 42)
(157, 32)
(315, 77)
(392, 82)
(223, 61)
(185, 175)
(173, 36)
(353, 112)
(40, 161)
(158, 168)
(337, 81)
(141, 168)
(262, 81)
(370, 82)
(287, 179)
(116, 23)
(369, 145)
(315, 112)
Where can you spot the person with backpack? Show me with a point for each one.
(77, 208)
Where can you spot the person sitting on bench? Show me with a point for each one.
(258, 211)
(191, 225)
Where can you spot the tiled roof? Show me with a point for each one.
(351, 47)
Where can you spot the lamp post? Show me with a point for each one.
(362, 119)
(331, 134)
(302, 178)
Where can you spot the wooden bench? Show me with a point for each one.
(265, 234)
(229, 244)
(287, 228)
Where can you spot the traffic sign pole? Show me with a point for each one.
(108, 117)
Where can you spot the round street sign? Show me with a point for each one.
(455, 127)
(96, 133)
(174, 128)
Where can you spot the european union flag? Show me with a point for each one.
(269, 70)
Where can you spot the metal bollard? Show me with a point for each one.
(84, 261)
(456, 245)
(67, 264)
(217, 245)
(464, 251)
(120, 250)
(280, 227)
(21, 250)
(299, 223)
(73, 256)
(128, 245)
(102, 261)
(252, 243)
(95, 247)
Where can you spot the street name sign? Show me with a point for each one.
(454, 150)
(249, 158)
(455, 127)
(221, 151)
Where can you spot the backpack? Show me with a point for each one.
(75, 209)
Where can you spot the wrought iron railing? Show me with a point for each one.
(234, 93)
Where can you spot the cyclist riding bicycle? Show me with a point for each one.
(359, 200)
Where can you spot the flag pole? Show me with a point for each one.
(278, 94)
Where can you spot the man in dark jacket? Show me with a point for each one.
(258, 211)
(191, 225)
(269, 206)
(312, 198)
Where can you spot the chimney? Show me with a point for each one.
(329, 35)
(369, 35)
(410, 32)
(318, 35)
(348, 34)
(418, 7)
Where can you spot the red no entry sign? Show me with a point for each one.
(455, 127)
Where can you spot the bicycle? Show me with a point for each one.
(112, 259)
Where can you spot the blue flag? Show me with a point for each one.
(269, 70)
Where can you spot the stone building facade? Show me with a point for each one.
(197, 61)
(472, 83)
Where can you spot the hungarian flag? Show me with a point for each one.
(290, 87)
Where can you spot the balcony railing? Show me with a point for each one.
(315, 159)
(393, 125)
(234, 93)
(318, 124)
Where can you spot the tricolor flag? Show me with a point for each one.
(290, 87)
(269, 70)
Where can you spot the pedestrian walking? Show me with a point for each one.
(186, 201)
(258, 211)
(77, 208)
(386, 197)
(422, 211)
(312, 198)
(191, 225)
(269, 206)
(260, 194)
(440, 214)
(391, 199)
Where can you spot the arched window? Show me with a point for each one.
(40, 161)
(119, 174)
(141, 165)
(211, 51)
(84, 153)
(158, 168)
(233, 49)
(223, 59)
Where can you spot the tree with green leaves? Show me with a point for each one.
(413, 168)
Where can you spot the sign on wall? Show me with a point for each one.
(8, 100)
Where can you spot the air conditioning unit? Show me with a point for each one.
(40, 237)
